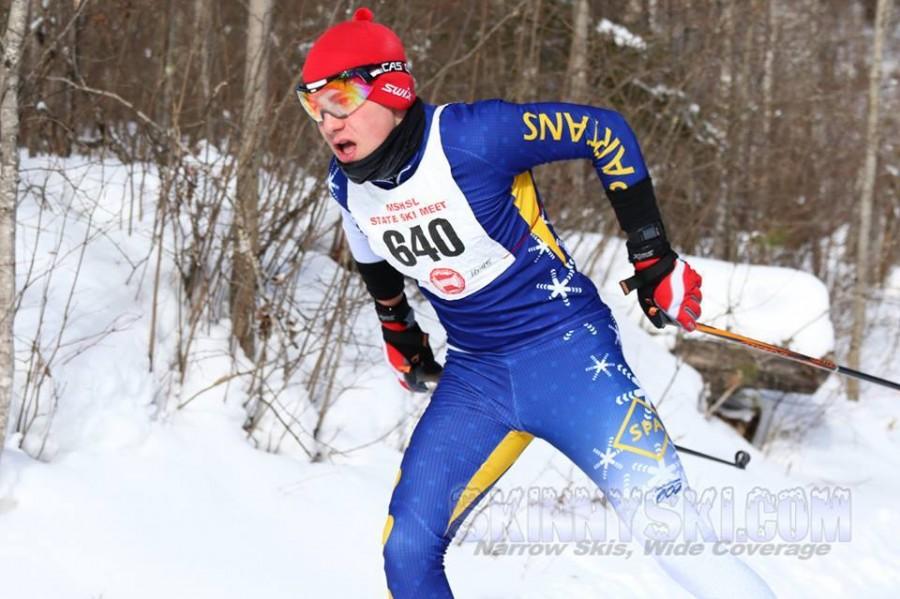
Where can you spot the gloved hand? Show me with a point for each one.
(406, 347)
(668, 291)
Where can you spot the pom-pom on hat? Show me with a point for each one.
(360, 42)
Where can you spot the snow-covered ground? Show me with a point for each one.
(130, 502)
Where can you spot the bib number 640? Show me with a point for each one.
(439, 240)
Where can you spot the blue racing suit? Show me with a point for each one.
(533, 350)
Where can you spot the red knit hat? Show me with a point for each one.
(360, 42)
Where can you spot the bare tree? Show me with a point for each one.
(576, 75)
(727, 99)
(747, 112)
(203, 26)
(867, 193)
(245, 229)
(772, 11)
(9, 181)
(528, 39)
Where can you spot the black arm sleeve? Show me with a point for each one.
(382, 280)
(639, 217)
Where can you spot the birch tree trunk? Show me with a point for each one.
(245, 234)
(203, 30)
(867, 193)
(170, 38)
(727, 98)
(772, 40)
(13, 39)
(576, 77)
(528, 51)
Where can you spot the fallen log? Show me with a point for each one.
(722, 364)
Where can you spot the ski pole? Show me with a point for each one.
(795, 356)
(628, 286)
(741, 458)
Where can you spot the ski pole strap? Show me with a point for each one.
(649, 275)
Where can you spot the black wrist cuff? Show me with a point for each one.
(648, 242)
(401, 312)
(381, 279)
(638, 215)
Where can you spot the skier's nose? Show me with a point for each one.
(331, 124)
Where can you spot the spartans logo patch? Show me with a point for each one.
(642, 431)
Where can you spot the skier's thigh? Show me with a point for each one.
(595, 411)
(456, 453)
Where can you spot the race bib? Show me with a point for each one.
(426, 229)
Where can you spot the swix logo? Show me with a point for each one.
(398, 91)
(389, 67)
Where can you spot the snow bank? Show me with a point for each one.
(132, 506)
(778, 305)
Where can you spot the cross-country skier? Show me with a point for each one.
(444, 195)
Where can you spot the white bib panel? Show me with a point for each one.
(426, 229)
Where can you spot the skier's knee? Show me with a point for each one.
(410, 550)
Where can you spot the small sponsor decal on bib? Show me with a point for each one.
(448, 280)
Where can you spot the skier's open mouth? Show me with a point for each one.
(346, 151)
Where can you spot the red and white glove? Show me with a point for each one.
(406, 347)
(668, 291)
